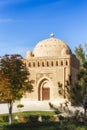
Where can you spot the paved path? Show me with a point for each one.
(28, 106)
(33, 106)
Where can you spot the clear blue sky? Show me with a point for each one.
(23, 23)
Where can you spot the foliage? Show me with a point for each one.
(20, 105)
(15, 70)
(45, 126)
(65, 123)
(14, 80)
(80, 54)
(66, 90)
(4, 118)
(57, 111)
(82, 76)
(5, 90)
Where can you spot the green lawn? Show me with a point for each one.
(51, 113)
(26, 123)
(43, 126)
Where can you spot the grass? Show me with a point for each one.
(40, 113)
(45, 125)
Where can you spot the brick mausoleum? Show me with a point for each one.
(50, 62)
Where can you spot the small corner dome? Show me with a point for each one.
(51, 47)
(29, 54)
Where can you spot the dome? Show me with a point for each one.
(51, 47)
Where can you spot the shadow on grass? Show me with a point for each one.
(44, 126)
(32, 126)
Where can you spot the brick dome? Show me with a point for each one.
(51, 47)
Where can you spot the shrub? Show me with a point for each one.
(20, 105)
(33, 118)
(79, 128)
(71, 127)
(61, 117)
(4, 118)
(47, 118)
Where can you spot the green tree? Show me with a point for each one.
(80, 53)
(15, 72)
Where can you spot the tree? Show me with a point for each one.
(80, 53)
(17, 78)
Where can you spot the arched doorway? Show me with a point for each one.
(44, 90)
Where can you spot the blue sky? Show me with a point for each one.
(23, 23)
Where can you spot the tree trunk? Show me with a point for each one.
(10, 105)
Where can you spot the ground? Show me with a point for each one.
(39, 106)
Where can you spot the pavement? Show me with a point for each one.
(28, 106)
(36, 106)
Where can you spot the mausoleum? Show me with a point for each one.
(50, 63)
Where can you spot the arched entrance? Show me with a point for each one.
(44, 90)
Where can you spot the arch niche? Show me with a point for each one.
(44, 89)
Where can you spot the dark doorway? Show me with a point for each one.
(45, 93)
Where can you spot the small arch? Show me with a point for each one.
(33, 64)
(43, 64)
(38, 64)
(51, 63)
(66, 62)
(47, 63)
(29, 64)
(56, 63)
(61, 62)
